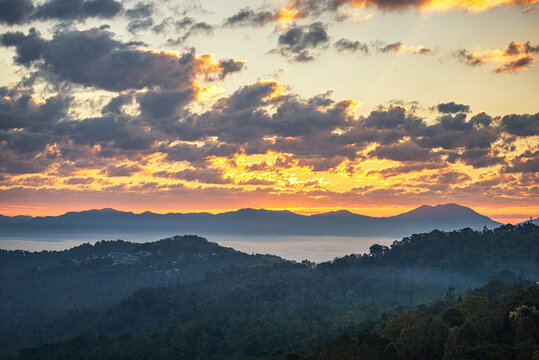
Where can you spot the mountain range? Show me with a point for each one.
(247, 222)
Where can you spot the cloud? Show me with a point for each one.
(387, 48)
(456, 122)
(305, 8)
(515, 58)
(94, 58)
(163, 104)
(406, 151)
(121, 170)
(478, 158)
(296, 42)
(301, 9)
(452, 108)
(141, 10)
(79, 180)
(18, 109)
(115, 105)
(15, 11)
(76, 9)
(249, 17)
(515, 65)
(296, 143)
(203, 175)
(28, 48)
(140, 17)
(23, 11)
(345, 45)
(190, 27)
(139, 24)
(398, 47)
(527, 162)
(521, 125)
(122, 132)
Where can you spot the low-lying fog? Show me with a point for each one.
(314, 248)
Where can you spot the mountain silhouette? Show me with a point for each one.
(249, 222)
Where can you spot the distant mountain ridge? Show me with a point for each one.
(250, 222)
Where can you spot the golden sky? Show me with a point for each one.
(377, 107)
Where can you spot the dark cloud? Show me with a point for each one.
(76, 9)
(527, 162)
(28, 48)
(478, 158)
(449, 178)
(190, 27)
(345, 45)
(15, 11)
(521, 125)
(141, 10)
(387, 48)
(197, 154)
(204, 175)
(437, 136)
(139, 24)
(94, 58)
(515, 65)
(321, 163)
(19, 152)
(122, 132)
(481, 119)
(21, 142)
(296, 42)
(452, 108)
(115, 104)
(248, 17)
(515, 48)
(121, 170)
(407, 168)
(163, 104)
(17, 165)
(468, 58)
(162, 26)
(240, 119)
(456, 122)
(393, 118)
(230, 66)
(406, 151)
(22, 11)
(79, 181)
(424, 51)
(20, 110)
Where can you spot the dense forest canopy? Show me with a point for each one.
(226, 304)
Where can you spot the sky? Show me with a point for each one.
(375, 106)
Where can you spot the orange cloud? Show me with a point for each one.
(471, 5)
(287, 15)
(516, 57)
(304, 8)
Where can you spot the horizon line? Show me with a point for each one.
(224, 211)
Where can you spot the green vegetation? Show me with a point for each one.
(45, 284)
(266, 307)
(497, 321)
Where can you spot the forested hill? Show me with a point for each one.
(497, 321)
(47, 283)
(269, 310)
